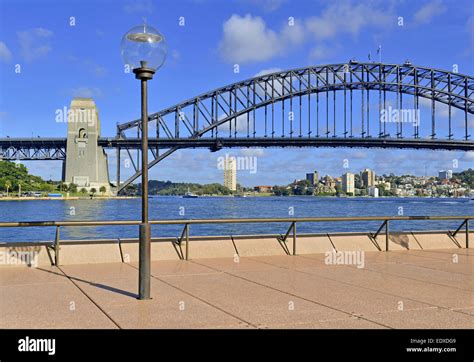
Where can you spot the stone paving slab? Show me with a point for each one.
(34, 298)
(247, 292)
(443, 296)
(259, 306)
(341, 296)
(429, 276)
(429, 318)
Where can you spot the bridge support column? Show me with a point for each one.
(86, 161)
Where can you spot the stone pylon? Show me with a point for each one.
(86, 161)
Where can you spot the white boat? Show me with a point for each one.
(190, 195)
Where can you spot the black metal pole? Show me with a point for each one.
(144, 277)
(144, 74)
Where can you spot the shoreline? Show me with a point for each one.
(27, 198)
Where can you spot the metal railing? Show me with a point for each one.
(282, 239)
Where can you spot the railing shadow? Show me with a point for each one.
(97, 285)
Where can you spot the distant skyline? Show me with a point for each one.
(68, 49)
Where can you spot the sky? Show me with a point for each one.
(52, 51)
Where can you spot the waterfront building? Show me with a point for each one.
(445, 174)
(230, 173)
(373, 191)
(348, 183)
(329, 181)
(368, 178)
(263, 189)
(313, 178)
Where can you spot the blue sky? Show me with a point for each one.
(59, 61)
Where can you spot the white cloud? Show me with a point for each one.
(347, 18)
(86, 92)
(252, 152)
(240, 123)
(469, 157)
(248, 39)
(138, 6)
(268, 71)
(442, 109)
(278, 86)
(427, 12)
(470, 32)
(34, 43)
(322, 52)
(5, 53)
(266, 5)
(99, 70)
(96, 69)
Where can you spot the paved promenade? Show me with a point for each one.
(397, 289)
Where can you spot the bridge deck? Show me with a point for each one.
(257, 292)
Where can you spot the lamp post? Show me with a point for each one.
(144, 50)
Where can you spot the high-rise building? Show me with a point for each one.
(230, 173)
(348, 183)
(368, 178)
(445, 174)
(313, 178)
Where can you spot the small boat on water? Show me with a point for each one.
(190, 195)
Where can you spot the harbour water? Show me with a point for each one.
(223, 207)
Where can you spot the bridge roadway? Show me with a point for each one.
(20, 148)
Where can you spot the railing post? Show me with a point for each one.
(187, 242)
(386, 235)
(56, 247)
(467, 233)
(294, 237)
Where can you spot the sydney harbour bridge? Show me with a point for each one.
(334, 105)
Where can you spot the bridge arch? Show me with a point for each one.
(202, 119)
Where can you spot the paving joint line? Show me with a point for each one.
(198, 298)
(90, 298)
(358, 286)
(294, 295)
(400, 276)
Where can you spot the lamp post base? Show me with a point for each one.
(144, 266)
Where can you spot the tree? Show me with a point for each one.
(280, 191)
(93, 191)
(15, 173)
(83, 191)
(72, 187)
(62, 186)
(102, 190)
(8, 184)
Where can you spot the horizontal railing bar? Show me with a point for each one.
(206, 237)
(228, 221)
